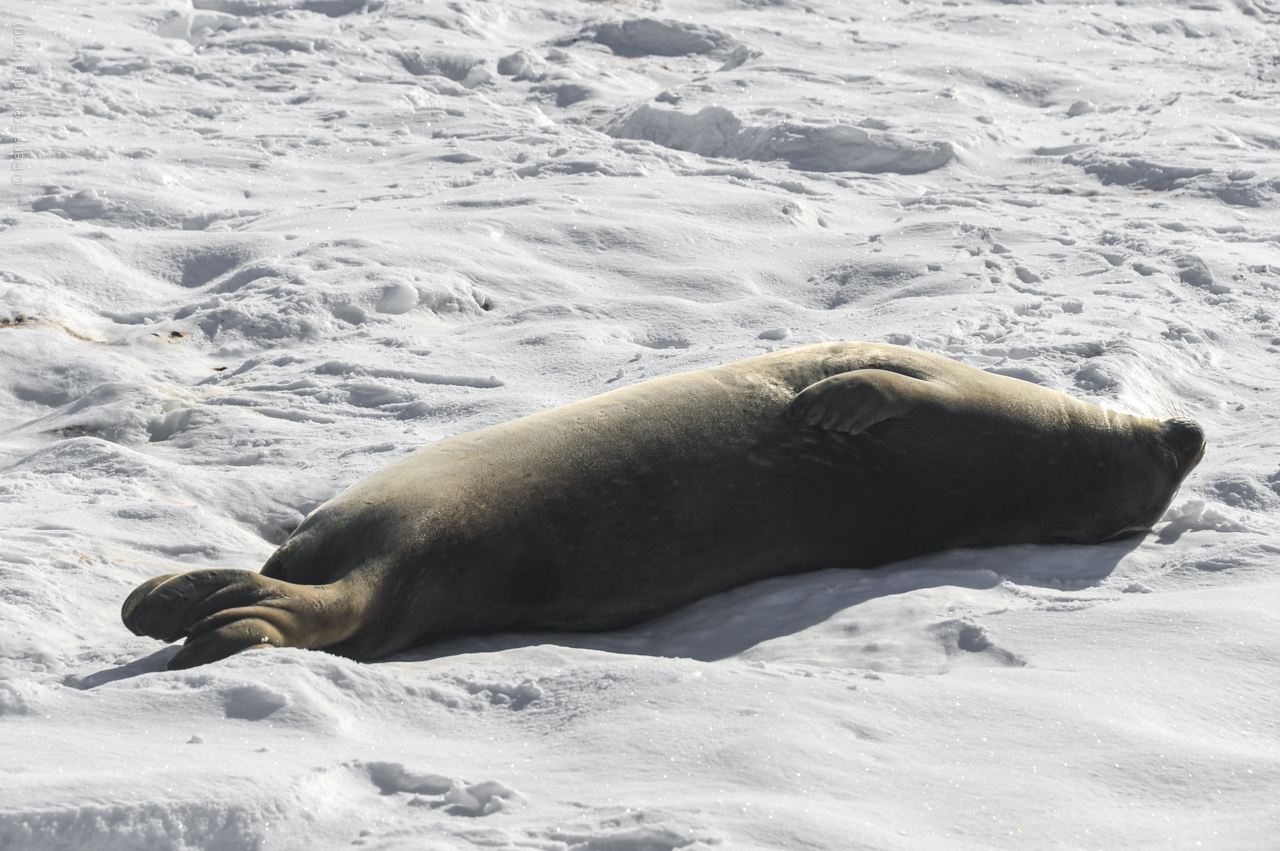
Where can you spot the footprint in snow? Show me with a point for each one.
(966, 642)
(454, 796)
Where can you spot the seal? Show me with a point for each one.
(625, 506)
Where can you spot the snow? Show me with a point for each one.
(257, 249)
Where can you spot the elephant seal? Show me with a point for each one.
(625, 506)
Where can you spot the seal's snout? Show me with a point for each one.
(1186, 439)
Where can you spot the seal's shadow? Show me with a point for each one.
(728, 624)
(146, 665)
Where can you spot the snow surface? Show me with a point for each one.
(261, 248)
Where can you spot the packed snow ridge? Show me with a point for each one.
(651, 37)
(716, 132)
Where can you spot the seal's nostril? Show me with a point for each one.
(1185, 437)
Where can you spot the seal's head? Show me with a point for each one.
(1185, 439)
(1171, 449)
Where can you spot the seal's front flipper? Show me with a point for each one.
(855, 401)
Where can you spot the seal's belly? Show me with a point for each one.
(666, 506)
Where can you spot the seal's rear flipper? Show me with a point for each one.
(855, 401)
(222, 612)
(141, 626)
